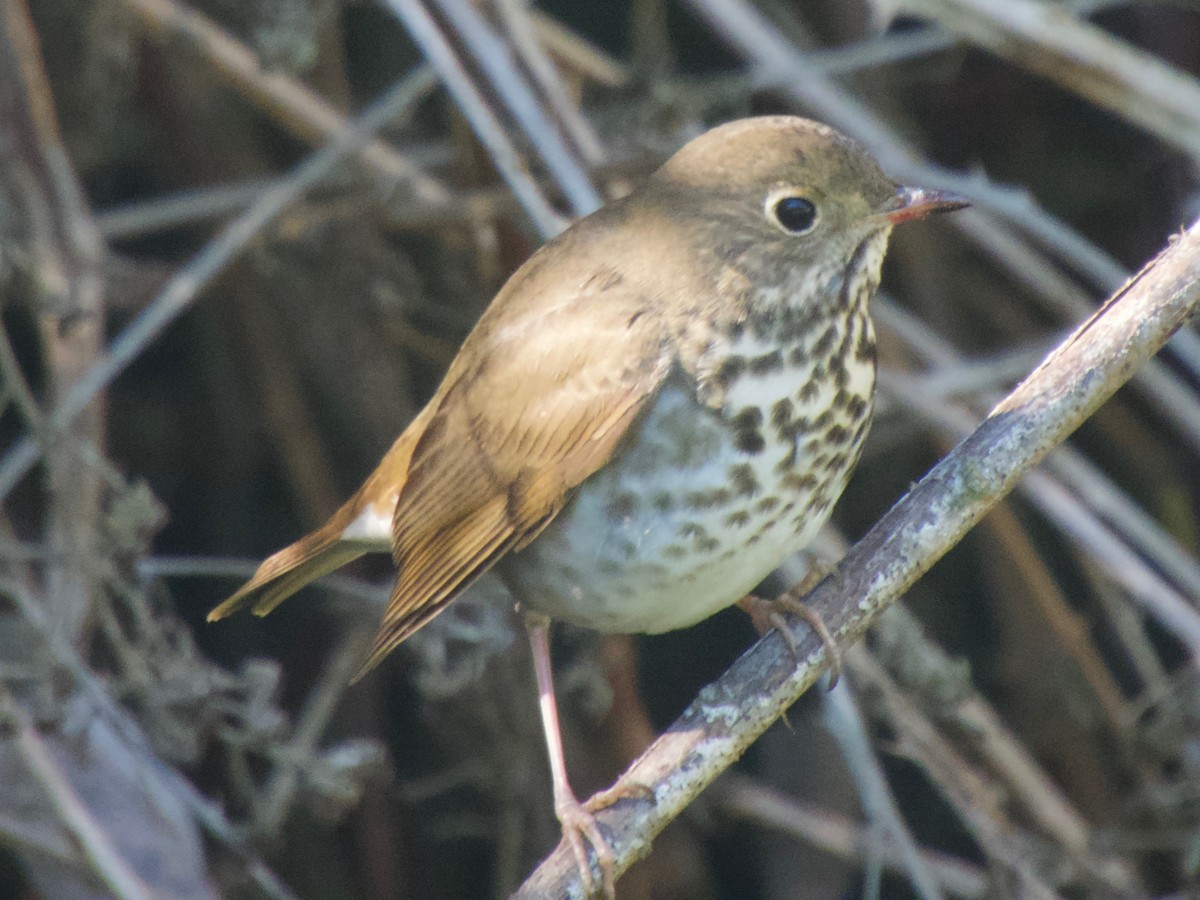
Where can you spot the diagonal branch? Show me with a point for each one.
(181, 291)
(728, 715)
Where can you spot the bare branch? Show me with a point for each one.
(290, 102)
(1052, 402)
(1046, 39)
(183, 289)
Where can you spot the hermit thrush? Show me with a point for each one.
(658, 407)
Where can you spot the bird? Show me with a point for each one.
(660, 405)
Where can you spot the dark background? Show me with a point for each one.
(250, 418)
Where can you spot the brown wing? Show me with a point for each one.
(536, 402)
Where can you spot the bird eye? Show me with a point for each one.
(792, 213)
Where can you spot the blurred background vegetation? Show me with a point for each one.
(1036, 712)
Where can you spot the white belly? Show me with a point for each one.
(688, 517)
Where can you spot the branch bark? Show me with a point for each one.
(1046, 39)
(728, 715)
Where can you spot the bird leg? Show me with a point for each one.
(767, 614)
(577, 819)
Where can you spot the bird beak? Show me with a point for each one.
(916, 203)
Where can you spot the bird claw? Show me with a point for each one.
(579, 828)
(622, 790)
(768, 614)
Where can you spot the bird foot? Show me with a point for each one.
(622, 790)
(580, 828)
(767, 614)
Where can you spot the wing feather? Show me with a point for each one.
(538, 403)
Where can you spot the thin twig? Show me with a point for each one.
(487, 127)
(760, 42)
(1042, 37)
(175, 210)
(237, 569)
(519, 24)
(93, 839)
(276, 798)
(581, 55)
(732, 712)
(1088, 485)
(129, 748)
(67, 254)
(842, 718)
(495, 59)
(931, 679)
(288, 101)
(964, 787)
(743, 799)
(184, 287)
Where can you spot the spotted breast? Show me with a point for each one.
(736, 463)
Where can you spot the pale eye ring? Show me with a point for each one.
(792, 212)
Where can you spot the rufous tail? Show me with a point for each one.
(284, 573)
(327, 548)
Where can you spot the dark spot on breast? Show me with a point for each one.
(730, 371)
(743, 480)
(767, 363)
(750, 417)
(837, 435)
(664, 502)
(781, 417)
(788, 461)
(808, 390)
(737, 329)
(766, 504)
(864, 350)
(750, 442)
(762, 323)
(706, 499)
(837, 462)
(707, 545)
(857, 407)
(692, 529)
(825, 342)
(747, 424)
(843, 349)
(621, 507)
(674, 551)
(737, 519)
(797, 482)
(766, 528)
(795, 323)
(824, 419)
